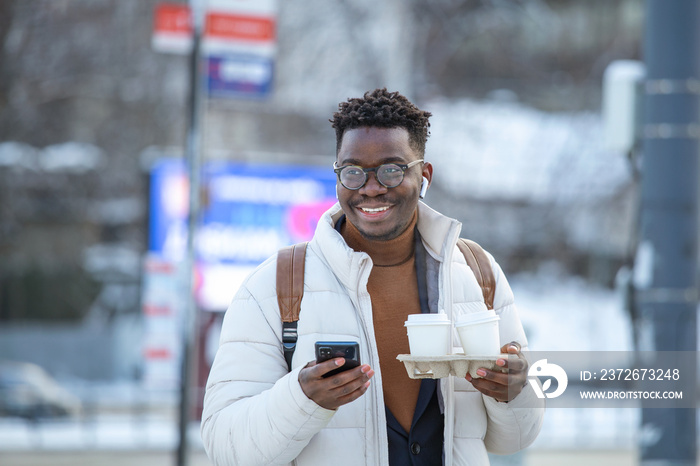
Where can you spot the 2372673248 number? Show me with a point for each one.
(639, 374)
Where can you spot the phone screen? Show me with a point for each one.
(350, 350)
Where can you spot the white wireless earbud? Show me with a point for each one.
(336, 191)
(424, 187)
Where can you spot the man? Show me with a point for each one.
(376, 257)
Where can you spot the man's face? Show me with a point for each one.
(378, 212)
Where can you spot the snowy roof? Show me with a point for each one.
(17, 155)
(506, 151)
(72, 157)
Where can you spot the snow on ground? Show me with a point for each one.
(563, 313)
(97, 433)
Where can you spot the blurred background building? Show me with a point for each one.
(88, 108)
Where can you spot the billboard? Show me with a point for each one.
(249, 212)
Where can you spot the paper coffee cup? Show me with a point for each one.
(428, 334)
(478, 332)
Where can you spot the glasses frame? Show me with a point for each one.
(402, 166)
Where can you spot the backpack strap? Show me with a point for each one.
(290, 290)
(480, 264)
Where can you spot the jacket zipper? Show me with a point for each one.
(365, 313)
(447, 306)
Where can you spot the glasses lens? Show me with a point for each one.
(390, 175)
(352, 177)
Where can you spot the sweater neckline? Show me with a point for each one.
(390, 253)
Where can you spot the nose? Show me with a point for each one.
(373, 187)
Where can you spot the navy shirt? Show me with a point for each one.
(423, 445)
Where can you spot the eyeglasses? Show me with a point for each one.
(389, 175)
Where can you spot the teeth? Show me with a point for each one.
(380, 209)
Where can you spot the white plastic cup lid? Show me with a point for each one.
(477, 317)
(427, 319)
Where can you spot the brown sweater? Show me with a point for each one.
(394, 292)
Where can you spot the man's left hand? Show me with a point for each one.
(503, 386)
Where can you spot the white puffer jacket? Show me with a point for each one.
(255, 412)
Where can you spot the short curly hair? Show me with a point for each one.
(382, 109)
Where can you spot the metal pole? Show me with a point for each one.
(193, 155)
(668, 297)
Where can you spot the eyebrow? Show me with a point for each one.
(352, 161)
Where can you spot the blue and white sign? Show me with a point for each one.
(251, 212)
(248, 76)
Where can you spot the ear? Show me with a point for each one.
(427, 176)
(428, 171)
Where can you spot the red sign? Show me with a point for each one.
(172, 28)
(174, 18)
(224, 31)
(239, 27)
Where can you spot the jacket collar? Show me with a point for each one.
(438, 232)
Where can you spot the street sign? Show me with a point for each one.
(230, 27)
(162, 322)
(239, 76)
(238, 41)
(231, 32)
(172, 28)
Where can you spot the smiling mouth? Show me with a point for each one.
(375, 210)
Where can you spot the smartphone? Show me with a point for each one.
(350, 350)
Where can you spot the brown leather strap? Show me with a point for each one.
(290, 280)
(479, 262)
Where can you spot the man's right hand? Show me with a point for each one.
(337, 390)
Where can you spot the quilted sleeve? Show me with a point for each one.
(511, 426)
(255, 413)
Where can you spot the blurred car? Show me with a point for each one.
(28, 391)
